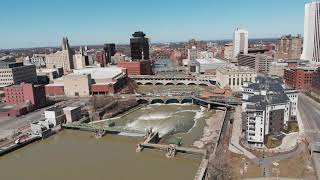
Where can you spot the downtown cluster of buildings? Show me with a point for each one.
(69, 73)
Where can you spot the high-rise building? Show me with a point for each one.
(139, 45)
(192, 53)
(311, 45)
(109, 50)
(62, 58)
(16, 73)
(228, 51)
(289, 47)
(259, 62)
(240, 42)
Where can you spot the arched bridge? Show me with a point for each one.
(181, 99)
(173, 80)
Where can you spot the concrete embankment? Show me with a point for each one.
(12, 147)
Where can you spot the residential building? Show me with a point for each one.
(77, 85)
(240, 42)
(142, 67)
(62, 58)
(299, 78)
(311, 41)
(267, 108)
(26, 94)
(139, 45)
(289, 47)
(15, 73)
(234, 77)
(259, 62)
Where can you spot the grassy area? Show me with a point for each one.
(296, 167)
(292, 127)
(241, 164)
(273, 142)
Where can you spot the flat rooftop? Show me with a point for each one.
(111, 72)
(236, 69)
(210, 61)
(70, 108)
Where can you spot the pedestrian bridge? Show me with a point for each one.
(174, 80)
(95, 128)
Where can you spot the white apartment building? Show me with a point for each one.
(311, 41)
(234, 77)
(267, 108)
(240, 42)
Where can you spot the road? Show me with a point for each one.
(309, 111)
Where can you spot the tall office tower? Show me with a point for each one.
(62, 58)
(311, 45)
(109, 50)
(139, 46)
(240, 42)
(65, 44)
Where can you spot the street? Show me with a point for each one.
(309, 111)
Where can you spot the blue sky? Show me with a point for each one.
(33, 23)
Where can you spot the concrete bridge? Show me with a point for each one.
(174, 80)
(168, 99)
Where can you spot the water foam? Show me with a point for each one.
(152, 117)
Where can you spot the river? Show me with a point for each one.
(79, 155)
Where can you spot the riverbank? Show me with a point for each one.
(211, 130)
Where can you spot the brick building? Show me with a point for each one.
(26, 94)
(316, 82)
(289, 47)
(55, 90)
(299, 78)
(142, 67)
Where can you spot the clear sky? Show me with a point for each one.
(34, 23)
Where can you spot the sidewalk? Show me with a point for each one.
(234, 145)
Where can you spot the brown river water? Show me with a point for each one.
(80, 156)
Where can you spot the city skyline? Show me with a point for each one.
(42, 24)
